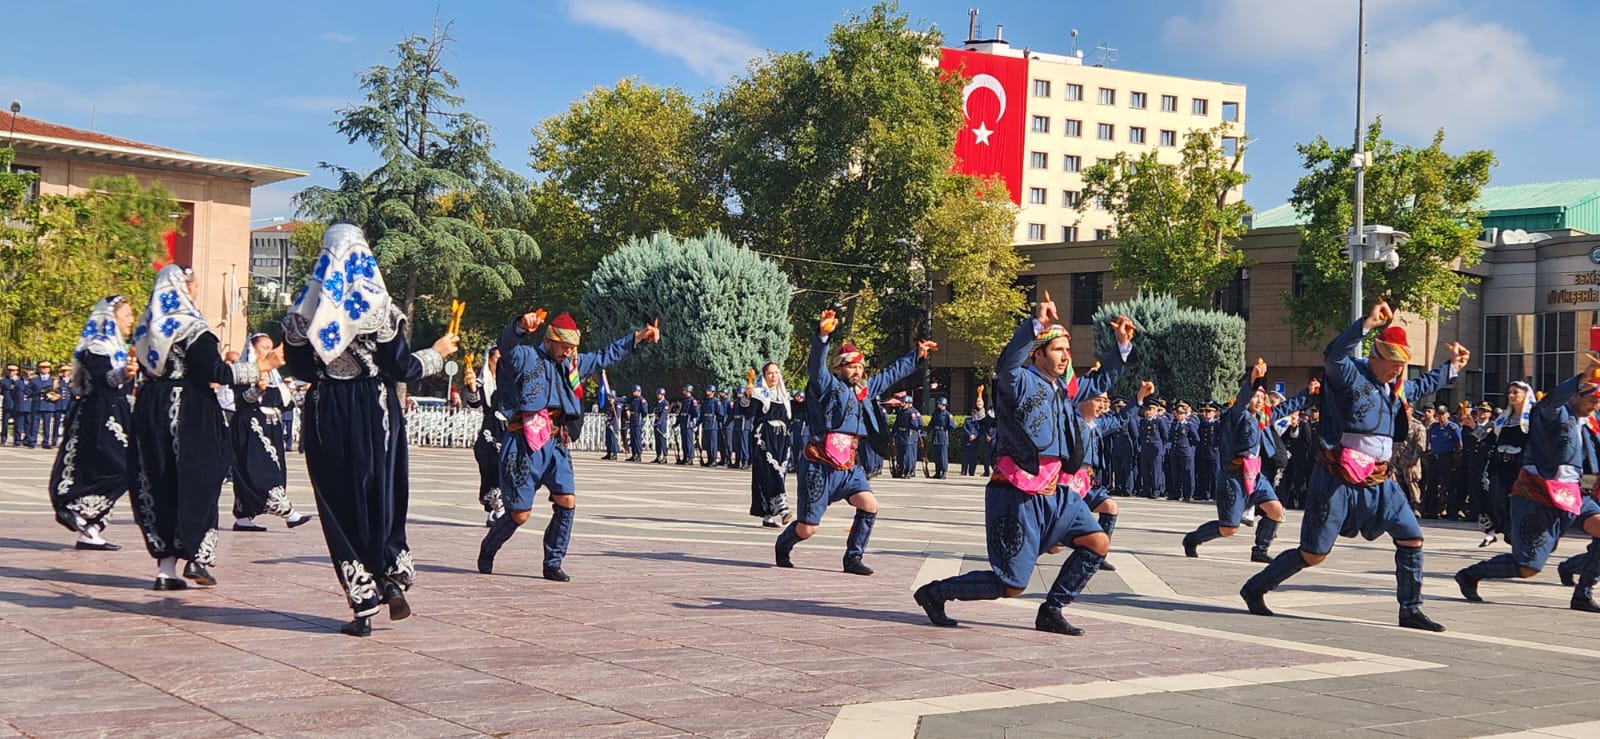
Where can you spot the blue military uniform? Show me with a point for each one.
(1123, 462)
(972, 431)
(839, 418)
(534, 390)
(725, 425)
(1155, 434)
(711, 416)
(638, 409)
(11, 423)
(658, 425)
(738, 433)
(1558, 449)
(940, 426)
(1185, 438)
(50, 399)
(1037, 422)
(797, 429)
(688, 424)
(29, 423)
(907, 433)
(1208, 456)
(1246, 442)
(1367, 417)
(613, 410)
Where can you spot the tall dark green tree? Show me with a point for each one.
(1424, 191)
(442, 214)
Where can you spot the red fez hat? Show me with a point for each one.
(565, 329)
(1392, 345)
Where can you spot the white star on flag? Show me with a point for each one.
(982, 133)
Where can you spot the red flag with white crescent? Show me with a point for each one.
(994, 102)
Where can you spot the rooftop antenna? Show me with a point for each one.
(1105, 55)
(1074, 35)
(972, 25)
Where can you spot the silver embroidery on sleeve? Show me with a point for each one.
(245, 373)
(432, 363)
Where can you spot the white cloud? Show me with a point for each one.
(711, 49)
(1474, 79)
(1256, 28)
(339, 38)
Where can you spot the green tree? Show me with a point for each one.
(1153, 315)
(1175, 224)
(969, 236)
(1426, 192)
(101, 242)
(1189, 353)
(723, 309)
(831, 161)
(441, 213)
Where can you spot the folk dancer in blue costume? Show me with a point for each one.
(688, 422)
(91, 469)
(839, 417)
(541, 397)
(1026, 512)
(1095, 423)
(1572, 567)
(1185, 441)
(1247, 439)
(710, 427)
(482, 392)
(346, 335)
(260, 477)
(907, 434)
(1208, 453)
(11, 422)
(46, 395)
(1155, 433)
(1548, 495)
(658, 425)
(638, 411)
(1365, 410)
(971, 442)
(940, 426)
(178, 452)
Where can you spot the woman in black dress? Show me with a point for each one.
(260, 478)
(178, 453)
(766, 403)
(1505, 460)
(347, 337)
(478, 391)
(91, 469)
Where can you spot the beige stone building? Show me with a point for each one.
(212, 226)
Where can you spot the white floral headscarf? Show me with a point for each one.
(343, 298)
(100, 335)
(171, 319)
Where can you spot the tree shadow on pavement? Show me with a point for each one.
(9, 542)
(56, 574)
(687, 558)
(172, 606)
(801, 607)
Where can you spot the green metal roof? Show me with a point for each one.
(1496, 200)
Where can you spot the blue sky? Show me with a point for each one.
(261, 81)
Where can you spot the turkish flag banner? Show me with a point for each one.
(994, 101)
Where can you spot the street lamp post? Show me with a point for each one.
(915, 254)
(1359, 164)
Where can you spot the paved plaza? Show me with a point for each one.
(675, 624)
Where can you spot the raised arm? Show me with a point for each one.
(1112, 365)
(893, 374)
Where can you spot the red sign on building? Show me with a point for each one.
(994, 101)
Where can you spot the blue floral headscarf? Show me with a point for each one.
(171, 319)
(342, 299)
(99, 336)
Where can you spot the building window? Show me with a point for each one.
(1038, 160)
(1108, 96)
(1105, 132)
(33, 187)
(1041, 88)
(1230, 111)
(1036, 195)
(1230, 146)
(1102, 234)
(1506, 341)
(1086, 294)
(1169, 139)
(1199, 106)
(1136, 100)
(1041, 124)
(1071, 163)
(1169, 103)
(1235, 298)
(1069, 234)
(1100, 204)
(1029, 285)
(1554, 349)
(1297, 283)
(1069, 198)
(1074, 128)
(1135, 135)
(1036, 232)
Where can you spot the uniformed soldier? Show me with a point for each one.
(27, 423)
(710, 426)
(46, 394)
(637, 410)
(1208, 452)
(1122, 462)
(725, 427)
(1155, 432)
(738, 432)
(11, 405)
(658, 426)
(688, 424)
(971, 442)
(907, 432)
(1185, 437)
(940, 426)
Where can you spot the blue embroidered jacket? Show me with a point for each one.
(1354, 402)
(533, 381)
(1555, 433)
(831, 405)
(1242, 434)
(1031, 413)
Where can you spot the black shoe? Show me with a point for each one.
(932, 606)
(855, 566)
(361, 626)
(1256, 602)
(1580, 603)
(781, 554)
(1260, 555)
(198, 573)
(485, 565)
(169, 583)
(1051, 620)
(769, 523)
(1569, 579)
(1469, 587)
(1106, 566)
(104, 546)
(252, 526)
(391, 593)
(1190, 549)
(1420, 621)
(303, 520)
(556, 574)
